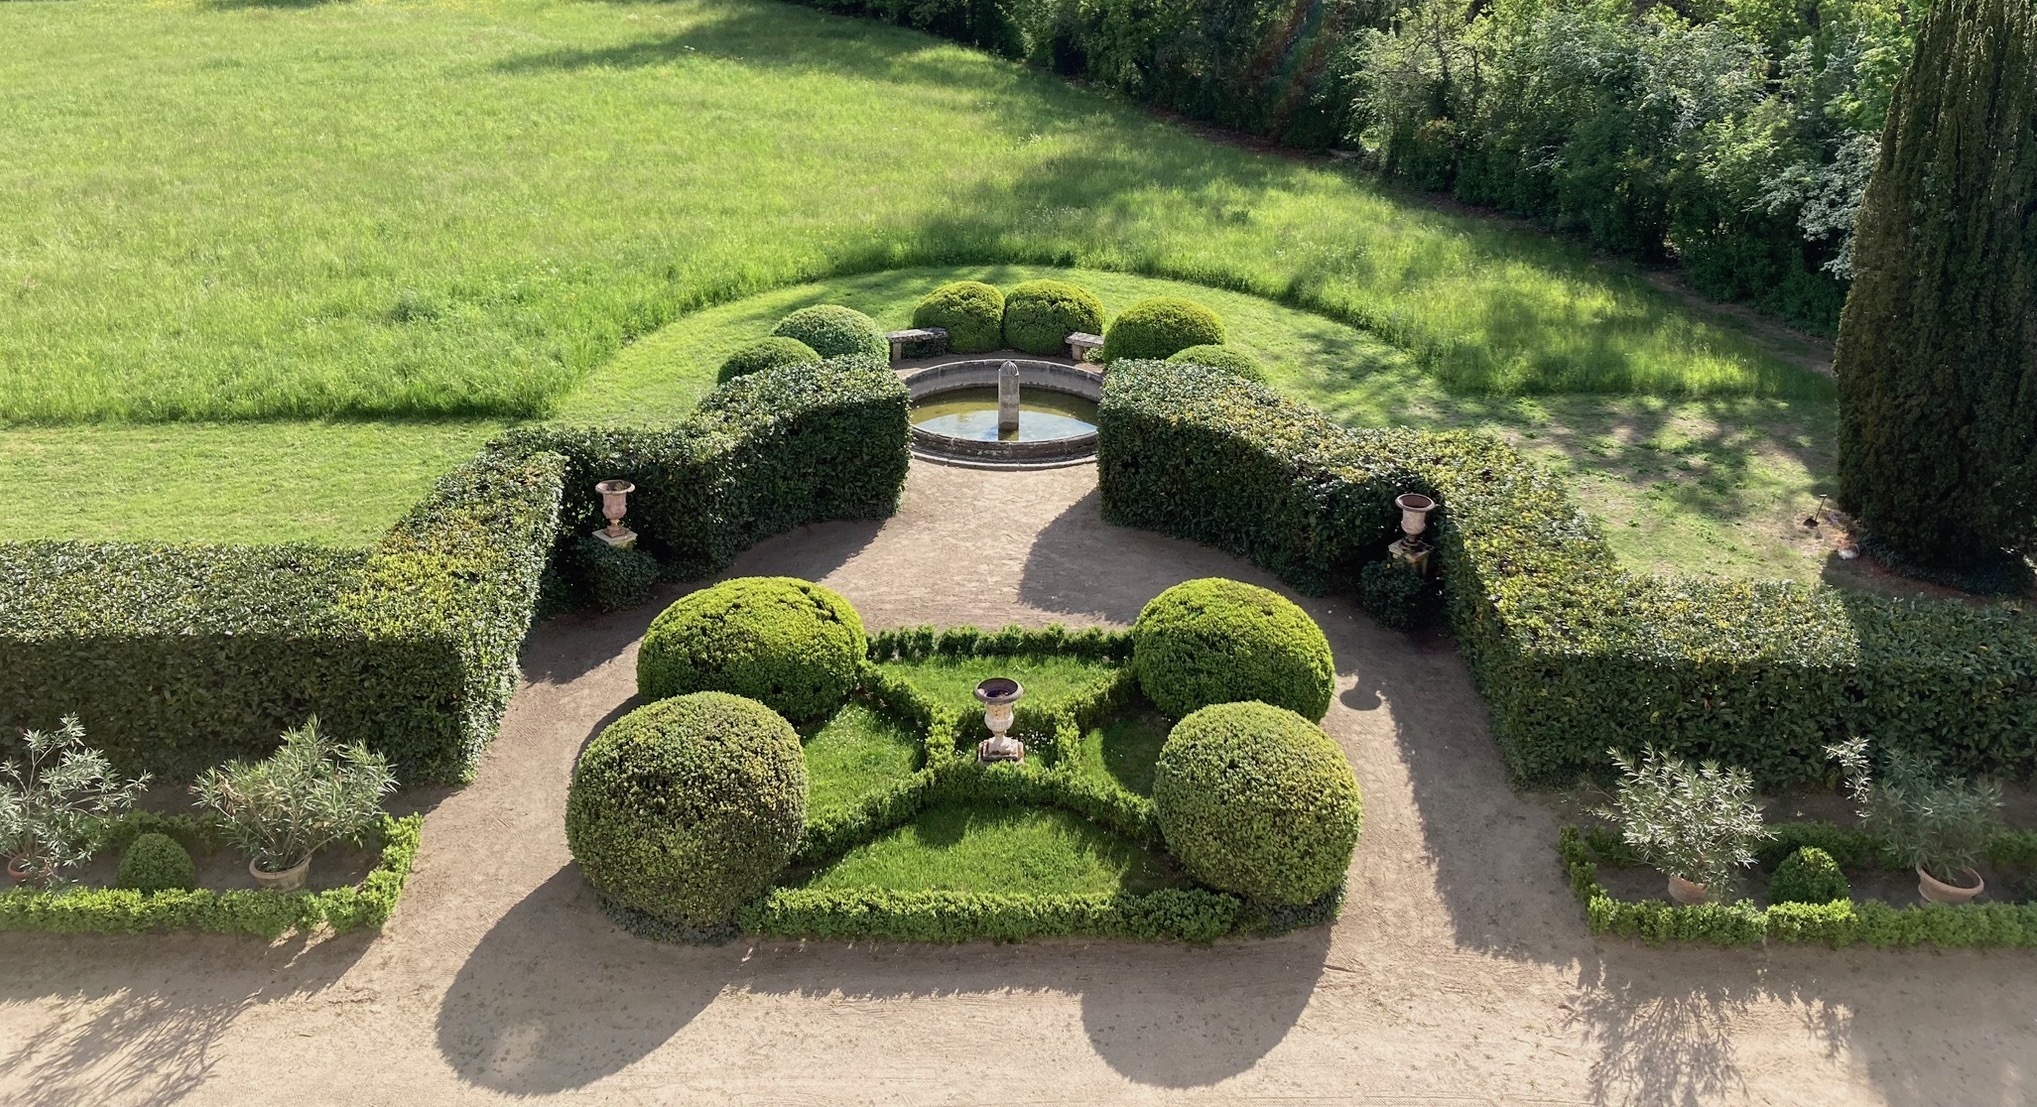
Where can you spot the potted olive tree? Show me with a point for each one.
(52, 801)
(1939, 825)
(308, 794)
(1696, 824)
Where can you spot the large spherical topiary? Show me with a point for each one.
(832, 330)
(1161, 327)
(156, 863)
(791, 644)
(688, 808)
(766, 353)
(1257, 800)
(1219, 641)
(970, 311)
(1040, 315)
(1229, 359)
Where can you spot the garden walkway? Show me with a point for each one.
(1460, 973)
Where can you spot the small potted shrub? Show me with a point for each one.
(1936, 824)
(1697, 824)
(52, 801)
(308, 794)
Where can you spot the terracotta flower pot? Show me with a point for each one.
(289, 880)
(1937, 891)
(21, 870)
(1686, 892)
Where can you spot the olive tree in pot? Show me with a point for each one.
(1697, 824)
(52, 801)
(1937, 824)
(308, 794)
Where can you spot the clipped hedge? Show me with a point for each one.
(1040, 315)
(972, 313)
(832, 330)
(766, 353)
(761, 455)
(179, 657)
(1573, 655)
(1177, 914)
(266, 914)
(1219, 641)
(1230, 359)
(1161, 327)
(792, 645)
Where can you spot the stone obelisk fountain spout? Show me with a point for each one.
(1007, 399)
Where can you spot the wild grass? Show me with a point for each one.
(1124, 750)
(856, 753)
(1023, 851)
(1046, 679)
(459, 210)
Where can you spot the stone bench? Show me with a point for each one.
(1081, 342)
(936, 337)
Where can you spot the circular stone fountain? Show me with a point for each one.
(955, 416)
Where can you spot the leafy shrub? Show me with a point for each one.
(1040, 315)
(1230, 359)
(793, 645)
(1394, 592)
(616, 579)
(832, 330)
(308, 794)
(688, 808)
(1216, 641)
(766, 353)
(1161, 327)
(970, 311)
(1808, 876)
(156, 863)
(1695, 822)
(1257, 800)
(1180, 914)
(51, 800)
(1935, 823)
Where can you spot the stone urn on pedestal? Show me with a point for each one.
(614, 505)
(998, 695)
(1414, 519)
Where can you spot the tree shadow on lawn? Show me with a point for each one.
(555, 997)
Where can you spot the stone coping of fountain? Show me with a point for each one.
(981, 372)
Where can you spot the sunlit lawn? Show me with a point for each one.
(1014, 850)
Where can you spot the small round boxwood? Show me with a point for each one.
(791, 644)
(766, 353)
(1161, 327)
(156, 863)
(1218, 641)
(688, 808)
(1257, 800)
(832, 330)
(1394, 592)
(1040, 315)
(1230, 359)
(970, 311)
(1808, 876)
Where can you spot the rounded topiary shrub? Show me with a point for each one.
(615, 579)
(156, 863)
(1257, 800)
(1219, 641)
(832, 330)
(970, 311)
(1808, 876)
(1040, 315)
(1394, 592)
(1161, 327)
(1230, 359)
(791, 644)
(688, 808)
(766, 353)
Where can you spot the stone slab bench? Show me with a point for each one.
(1081, 342)
(936, 337)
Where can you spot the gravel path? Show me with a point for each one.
(1460, 973)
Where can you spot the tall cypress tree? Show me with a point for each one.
(1937, 353)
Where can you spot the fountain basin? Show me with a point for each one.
(954, 414)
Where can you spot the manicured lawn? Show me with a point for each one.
(1020, 851)
(1046, 679)
(1124, 750)
(858, 752)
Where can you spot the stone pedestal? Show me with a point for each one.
(621, 538)
(1413, 552)
(1007, 398)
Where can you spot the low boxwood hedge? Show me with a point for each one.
(1040, 315)
(832, 330)
(1161, 327)
(1572, 654)
(972, 313)
(792, 645)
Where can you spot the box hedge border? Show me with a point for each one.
(1572, 654)
(264, 913)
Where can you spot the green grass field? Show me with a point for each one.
(1020, 851)
(856, 753)
(1046, 679)
(1123, 752)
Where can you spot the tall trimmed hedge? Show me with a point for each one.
(179, 657)
(1573, 655)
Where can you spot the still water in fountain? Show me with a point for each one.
(971, 414)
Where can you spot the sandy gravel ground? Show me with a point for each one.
(1460, 974)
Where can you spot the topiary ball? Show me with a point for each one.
(791, 644)
(1394, 592)
(616, 579)
(766, 353)
(688, 808)
(1808, 876)
(832, 330)
(1230, 359)
(1161, 327)
(1040, 315)
(1219, 641)
(970, 311)
(1257, 800)
(156, 863)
